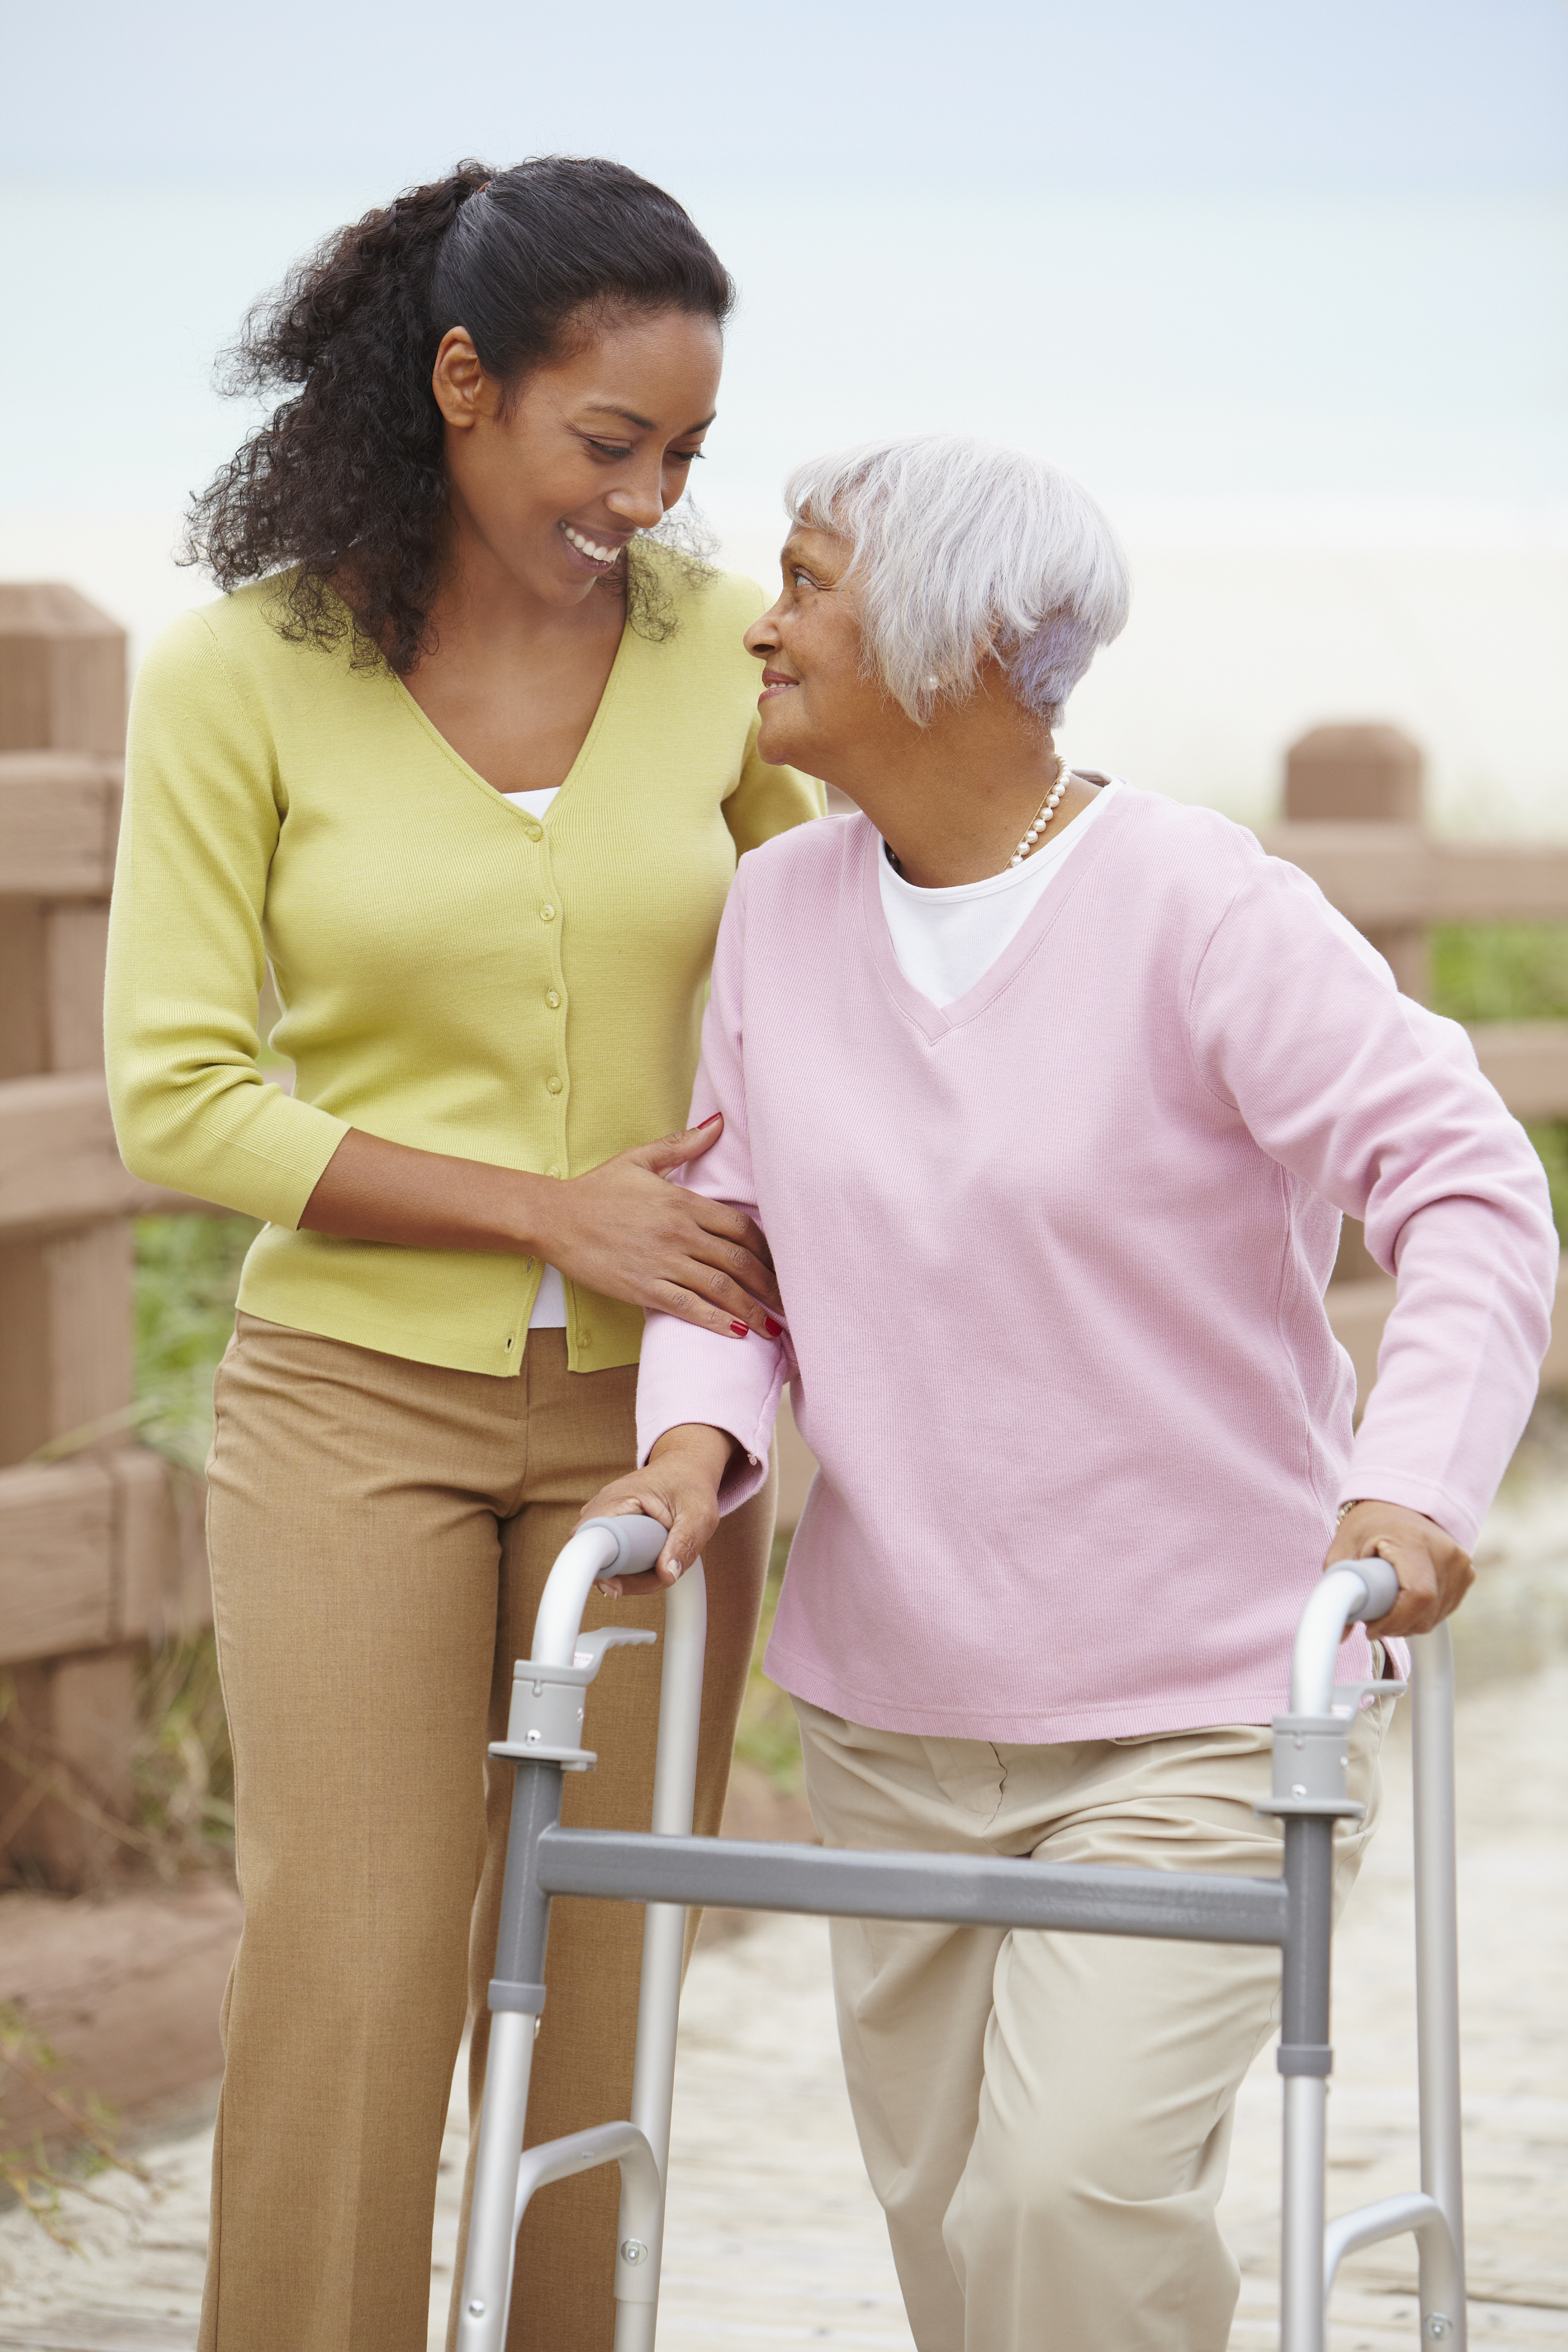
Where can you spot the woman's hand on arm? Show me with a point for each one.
(622, 1230)
(1434, 1574)
(678, 1487)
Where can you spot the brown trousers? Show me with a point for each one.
(379, 1533)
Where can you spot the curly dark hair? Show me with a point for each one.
(343, 491)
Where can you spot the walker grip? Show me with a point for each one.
(1382, 1589)
(638, 1541)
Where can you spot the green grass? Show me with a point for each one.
(187, 1274)
(1500, 971)
(768, 1736)
(1509, 971)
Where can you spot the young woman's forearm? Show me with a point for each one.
(372, 1191)
(621, 1229)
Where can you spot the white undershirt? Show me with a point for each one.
(945, 940)
(550, 1307)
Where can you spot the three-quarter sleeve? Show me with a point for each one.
(768, 800)
(186, 959)
(1380, 1107)
(692, 1375)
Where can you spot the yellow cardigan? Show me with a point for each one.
(453, 974)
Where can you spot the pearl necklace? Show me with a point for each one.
(1046, 810)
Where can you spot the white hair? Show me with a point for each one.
(963, 552)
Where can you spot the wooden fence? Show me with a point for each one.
(99, 1541)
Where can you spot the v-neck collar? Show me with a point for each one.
(936, 1021)
(584, 750)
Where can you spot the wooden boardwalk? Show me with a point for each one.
(775, 2239)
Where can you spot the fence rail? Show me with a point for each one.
(99, 1539)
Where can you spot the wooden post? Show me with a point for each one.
(62, 672)
(1363, 776)
(66, 1291)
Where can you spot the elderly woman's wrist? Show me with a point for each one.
(695, 1446)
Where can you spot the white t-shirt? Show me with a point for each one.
(550, 1307)
(947, 940)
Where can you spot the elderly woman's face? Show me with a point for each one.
(817, 703)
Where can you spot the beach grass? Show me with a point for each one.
(1509, 971)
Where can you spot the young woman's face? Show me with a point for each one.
(818, 707)
(594, 446)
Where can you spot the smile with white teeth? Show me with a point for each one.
(588, 547)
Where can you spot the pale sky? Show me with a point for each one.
(1282, 281)
(1414, 94)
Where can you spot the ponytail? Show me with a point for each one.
(345, 481)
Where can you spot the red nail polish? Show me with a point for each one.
(771, 1328)
(740, 1330)
(711, 1121)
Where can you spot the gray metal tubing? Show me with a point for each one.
(1437, 1975)
(487, 2274)
(1309, 1881)
(1355, 1589)
(1301, 2305)
(663, 1955)
(1440, 2261)
(605, 1546)
(558, 2159)
(971, 1891)
(1438, 2215)
(641, 2221)
(1304, 2059)
(503, 2111)
(525, 1905)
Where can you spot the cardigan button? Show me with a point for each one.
(553, 998)
(547, 912)
(553, 1084)
(536, 833)
(553, 1169)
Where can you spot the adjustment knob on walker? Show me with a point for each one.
(633, 2251)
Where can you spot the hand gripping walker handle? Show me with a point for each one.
(639, 1541)
(1382, 1589)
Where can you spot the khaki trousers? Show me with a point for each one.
(380, 1533)
(1044, 2117)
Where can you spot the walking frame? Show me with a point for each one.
(669, 1870)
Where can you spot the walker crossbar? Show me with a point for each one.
(670, 1870)
(963, 1890)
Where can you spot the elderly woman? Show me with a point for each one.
(1097, 1078)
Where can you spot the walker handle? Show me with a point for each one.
(1351, 1590)
(638, 1541)
(1382, 1585)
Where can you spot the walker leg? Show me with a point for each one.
(517, 1998)
(1443, 2315)
(639, 2245)
(1305, 2058)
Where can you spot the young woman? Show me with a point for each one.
(1099, 1078)
(468, 757)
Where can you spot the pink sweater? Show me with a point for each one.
(1053, 1260)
